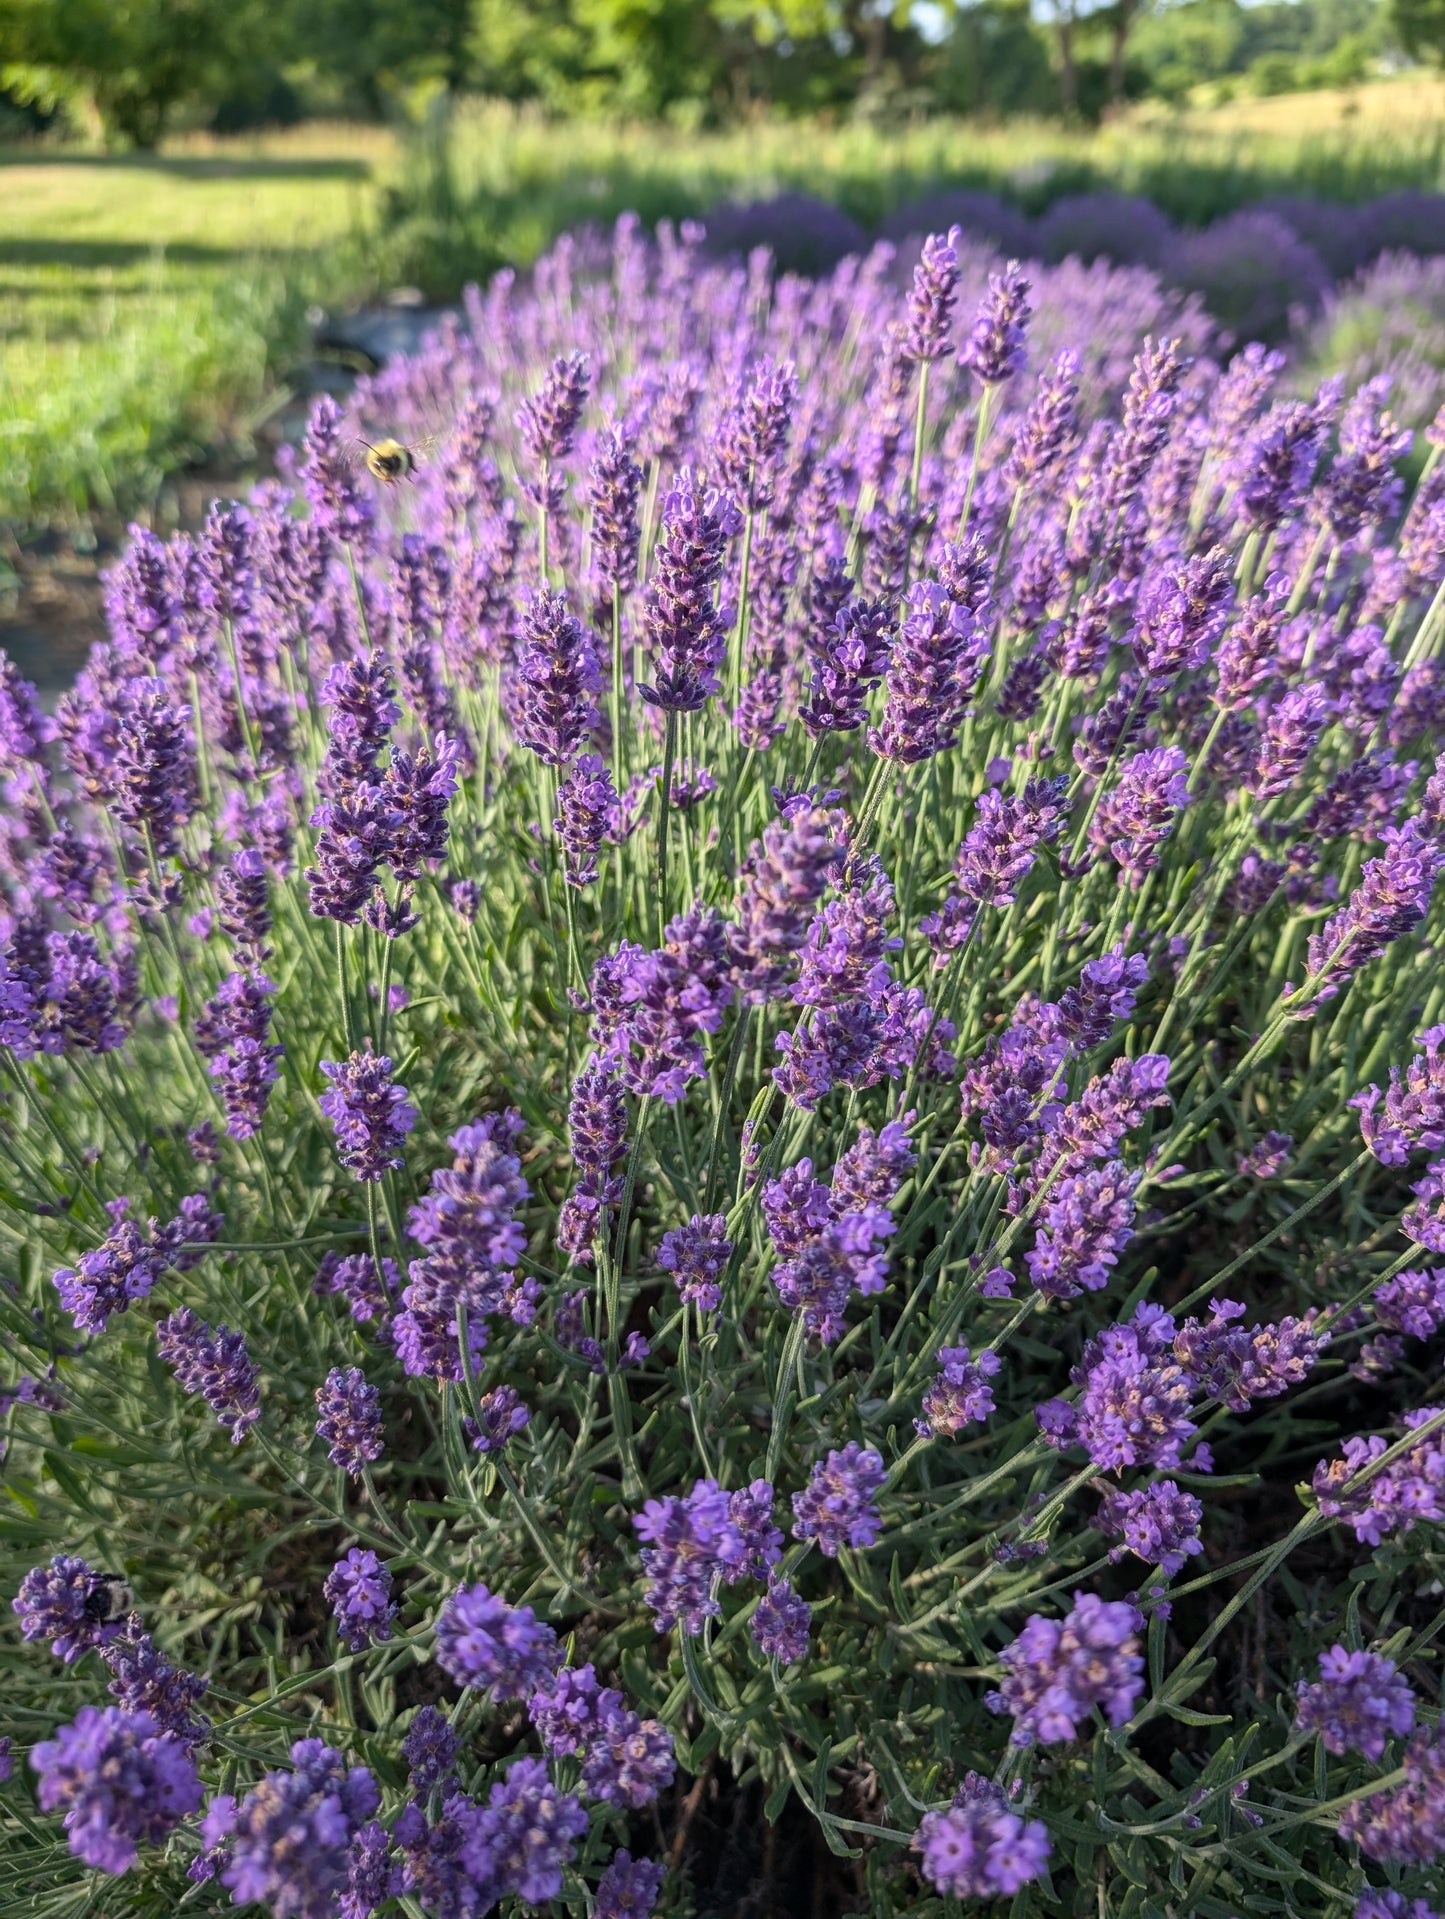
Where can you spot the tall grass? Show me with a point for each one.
(500, 182)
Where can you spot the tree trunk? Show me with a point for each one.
(1068, 72)
(1124, 11)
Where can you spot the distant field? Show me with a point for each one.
(146, 304)
(143, 301)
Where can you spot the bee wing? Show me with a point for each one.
(354, 452)
(423, 449)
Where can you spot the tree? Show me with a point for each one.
(1421, 27)
(137, 59)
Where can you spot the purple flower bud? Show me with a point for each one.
(1158, 1524)
(696, 1255)
(214, 1363)
(349, 1421)
(995, 349)
(121, 1782)
(481, 1641)
(586, 805)
(370, 1114)
(1056, 1671)
(933, 673)
(976, 1848)
(754, 432)
(1137, 815)
(680, 619)
(557, 679)
(358, 1590)
(931, 301)
(1358, 1703)
(838, 1507)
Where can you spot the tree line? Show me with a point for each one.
(141, 67)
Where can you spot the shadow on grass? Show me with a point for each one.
(92, 255)
(180, 167)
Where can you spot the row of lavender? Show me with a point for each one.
(647, 1082)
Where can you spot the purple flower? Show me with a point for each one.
(627, 1759)
(1107, 991)
(650, 1009)
(629, 1888)
(547, 422)
(1407, 1826)
(481, 1641)
(931, 301)
(1085, 1223)
(151, 781)
(1158, 1524)
(368, 1873)
(1391, 899)
(232, 1035)
(1137, 815)
(614, 482)
(1268, 1158)
(681, 621)
(1057, 1671)
(1358, 1703)
(696, 1255)
(995, 348)
(242, 906)
(1291, 730)
(846, 659)
(349, 1419)
(121, 1782)
(67, 1603)
(976, 1848)
(290, 1837)
(429, 1749)
(354, 837)
(1050, 427)
(502, 1416)
(361, 694)
(1362, 488)
(370, 1114)
(126, 1265)
(781, 1622)
(1279, 463)
(367, 1292)
(1413, 1303)
(997, 854)
(1410, 1489)
(754, 432)
(960, 1391)
(933, 673)
(1133, 1406)
(704, 1536)
(214, 1363)
(569, 1329)
(1381, 1903)
(586, 805)
(143, 1680)
(341, 512)
(524, 1838)
(786, 874)
(1414, 1106)
(358, 1591)
(838, 1506)
(419, 788)
(557, 679)
(1184, 609)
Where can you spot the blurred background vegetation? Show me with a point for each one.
(187, 182)
(129, 71)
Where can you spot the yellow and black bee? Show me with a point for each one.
(391, 460)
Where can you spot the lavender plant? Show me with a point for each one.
(736, 1112)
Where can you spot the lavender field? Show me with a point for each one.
(724, 1127)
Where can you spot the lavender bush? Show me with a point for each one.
(733, 1116)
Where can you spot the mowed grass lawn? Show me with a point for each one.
(143, 300)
